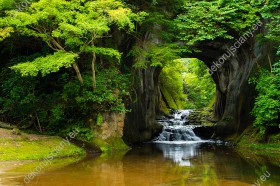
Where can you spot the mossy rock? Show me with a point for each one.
(163, 108)
(110, 144)
(202, 117)
(169, 99)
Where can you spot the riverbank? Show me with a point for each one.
(16, 145)
(255, 145)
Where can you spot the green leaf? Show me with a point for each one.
(46, 65)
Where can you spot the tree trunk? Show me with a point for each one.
(75, 66)
(93, 70)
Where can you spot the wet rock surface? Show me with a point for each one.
(202, 117)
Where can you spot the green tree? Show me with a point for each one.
(70, 29)
(208, 20)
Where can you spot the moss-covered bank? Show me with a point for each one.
(251, 143)
(22, 146)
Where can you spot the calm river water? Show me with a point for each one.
(158, 164)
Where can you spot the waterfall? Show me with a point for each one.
(176, 128)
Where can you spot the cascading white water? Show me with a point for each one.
(176, 128)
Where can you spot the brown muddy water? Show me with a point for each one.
(157, 164)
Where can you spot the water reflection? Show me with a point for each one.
(179, 153)
(197, 164)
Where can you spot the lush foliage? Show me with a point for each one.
(267, 105)
(37, 101)
(171, 84)
(41, 90)
(198, 84)
(105, 41)
(186, 83)
(208, 20)
(71, 28)
(160, 55)
(46, 65)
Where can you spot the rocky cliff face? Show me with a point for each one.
(111, 126)
(140, 123)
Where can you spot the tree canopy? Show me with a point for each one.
(70, 29)
(106, 41)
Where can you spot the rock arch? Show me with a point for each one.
(234, 95)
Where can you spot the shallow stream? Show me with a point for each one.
(172, 159)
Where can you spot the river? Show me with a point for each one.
(172, 159)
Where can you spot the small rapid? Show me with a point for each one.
(176, 129)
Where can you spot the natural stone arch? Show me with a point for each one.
(234, 95)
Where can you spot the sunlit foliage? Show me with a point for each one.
(198, 84)
(171, 84)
